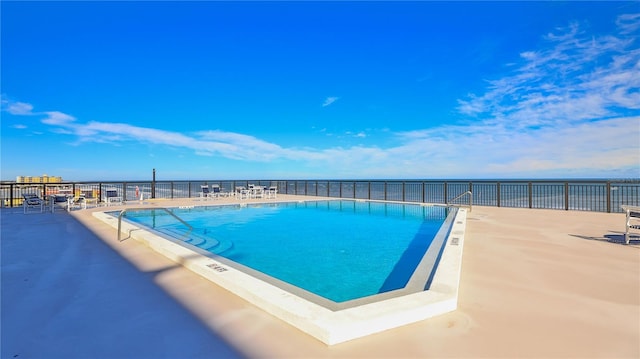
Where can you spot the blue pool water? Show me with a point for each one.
(340, 250)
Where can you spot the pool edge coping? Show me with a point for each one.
(330, 327)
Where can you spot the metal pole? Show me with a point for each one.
(354, 189)
(153, 184)
(446, 200)
(608, 197)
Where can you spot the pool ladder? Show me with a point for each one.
(449, 203)
(122, 213)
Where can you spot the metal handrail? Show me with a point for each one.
(147, 208)
(460, 196)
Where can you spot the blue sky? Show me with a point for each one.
(327, 90)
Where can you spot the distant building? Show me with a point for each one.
(42, 179)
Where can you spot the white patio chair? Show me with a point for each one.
(272, 192)
(242, 193)
(632, 221)
(79, 202)
(205, 193)
(31, 200)
(112, 197)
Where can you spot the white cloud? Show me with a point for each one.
(19, 108)
(329, 100)
(628, 23)
(57, 118)
(563, 107)
(578, 77)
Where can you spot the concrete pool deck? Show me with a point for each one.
(534, 283)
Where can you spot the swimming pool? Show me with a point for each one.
(366, 248)
(259, 251)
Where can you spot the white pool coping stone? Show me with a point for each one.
(327, 325)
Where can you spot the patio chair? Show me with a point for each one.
(216, 192)
(632, 221)
(58, 201)
(112, 197)
(242, 193)
(224, 193)
(272, 192)
(205, 192)
(31, 200)
(257, 192)
(79, 202)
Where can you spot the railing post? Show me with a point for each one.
(385, 190)
(404, 186)
(608, 196)
(530, 190)
(566, 196)
(153, 184)
(11, 189)
(354, 189)
(498, 194)
(446, 196)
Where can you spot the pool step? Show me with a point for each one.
(199, 240)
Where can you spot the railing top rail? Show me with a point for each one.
(506, 180)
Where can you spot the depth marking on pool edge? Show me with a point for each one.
(216, 267)
(454, 241)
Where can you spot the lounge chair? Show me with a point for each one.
(112, 197)
(632, 221)
(31, 200)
